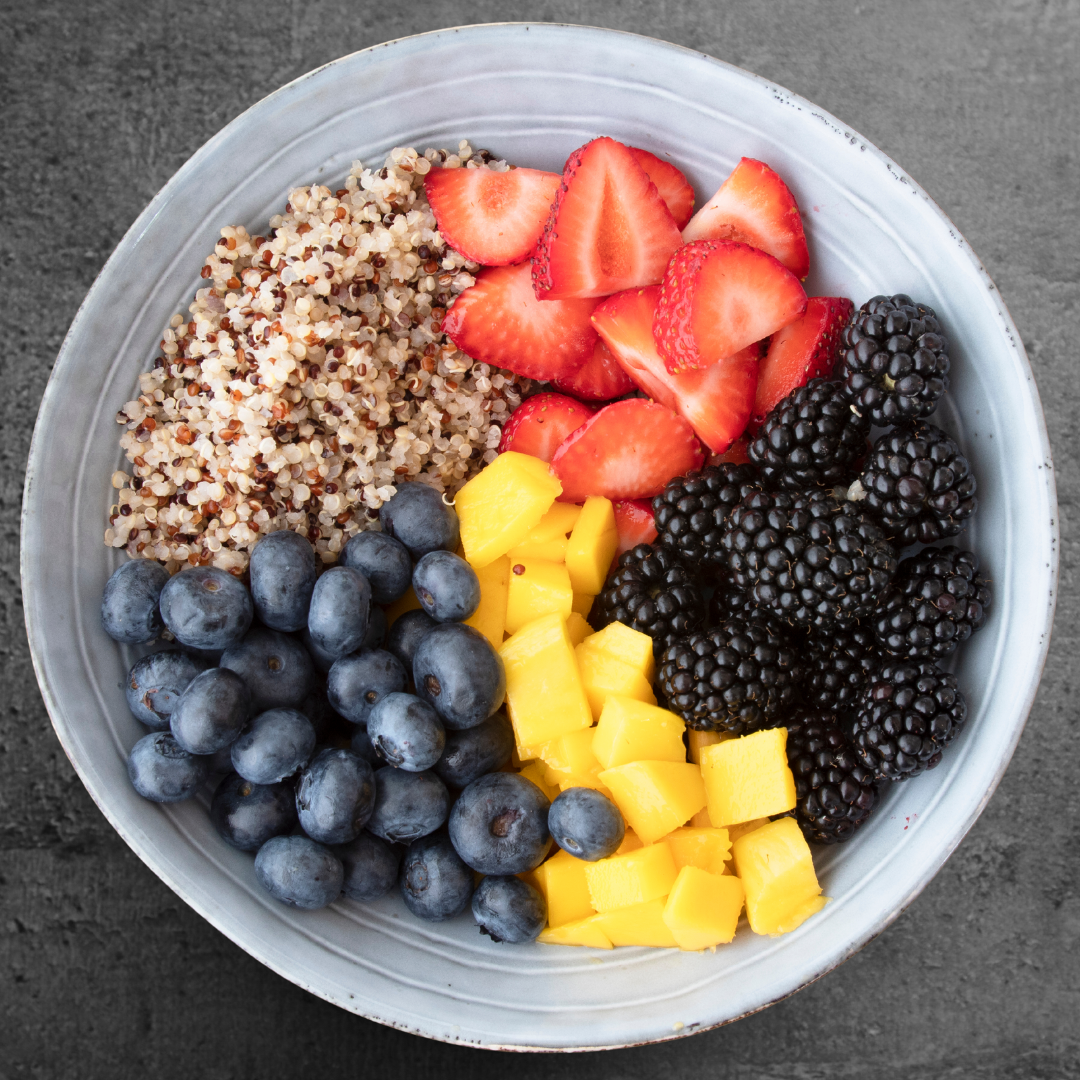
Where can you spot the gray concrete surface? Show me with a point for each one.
(103, 971)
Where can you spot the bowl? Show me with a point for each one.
(533, 93)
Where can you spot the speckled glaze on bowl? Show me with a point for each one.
(533, 93)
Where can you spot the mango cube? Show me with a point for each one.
(630, 842)
(490, 617)
(544, 695)
(570, 754)
(626, 644)
(583, 605)
(499, 506)
(655, 797)
(592, 545)
(536, 588)
(590, 779)
(702, 909)
(562, 881)
(548, 539)
(603, 675)
(630, 730)
(744, 827)
(748, 778)
(548, 550)
(582, 932)
(707, 849)
(577, 628)
(698, 740)
(777, 871)
(534, 771)
(638, 924)
(621, 880)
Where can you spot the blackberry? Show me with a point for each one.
(918, 484)
(814, 436)
(736, 677)
(837, 667)
(809, 558)
(907, 714)
(728, 601)
(651, 591)
(895, 360)
(835, 792)
(692, 510)
(937, 600)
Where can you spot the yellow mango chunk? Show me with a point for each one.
(626, 644)
(591, 779)
(577, 628)
(621, 880)
(707, 849)
(655, 796)
(548, 550)
(748, 778)
(603, 675)
(536, 588)
(701, 820)
(630, 730)
(534, 771)
(702, 909)
(490, 617)
(592, 545)
(544, 695)
(583, 605)
(570, 754)
(777, 871)
(638, 924)
(744, 827)
(562, 881)
(630, 842)
(583, 932)
(548, 539)
(502, 503)
(698, 740)
(409, 602)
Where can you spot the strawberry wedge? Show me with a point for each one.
(601, 379)
(716, 401)
(673, 186)
(628, 450)
(635, 523)
(755, 207)
(499, 321)
(539, 425)
(608, 229)
(494, 218)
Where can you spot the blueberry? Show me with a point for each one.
(406, 732)
(384, 561)
(371, 867)
(435, 883)
(273, 745)
(586, 823)
(335, 796)
(361, 744)
(375, 637)
(317, 708)
(211, 712)
(499, 824)
(357, 683)
(129, 606)
(155, 683)
(446, 586)
(322, 660)
(206, 608)
(246, 815)
(509, 909)
(471, 753)
(282, 574)
(406, 633)
(299, 872)
(417, 516)
(276, 667)
(338, 617)
(163, 771)
(220, 761)
(408, 805)
(456, 670)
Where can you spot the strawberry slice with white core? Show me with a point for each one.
(716, 401)
(540, 424)
(601, 379)
(494, 218)
(499, 321)
(717, 298)
(628, 450)
(608, 229)
(803, 350)
(755, 207)
(635, 522)
(673, 186)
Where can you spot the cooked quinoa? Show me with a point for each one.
(309, 376)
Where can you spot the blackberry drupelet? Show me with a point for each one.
(729, 601)
(918, 485)
(937, 600)
(809, 558)
(907, 714)
(651, 591)
(895, 360)
(835, 792)
(736, 677)
(692, 510)
(815, 436)
(836, 668)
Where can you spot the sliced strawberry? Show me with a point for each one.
(718, 297)
(736, 454)
(494, 218)
(635, 522)
(674, 188)
(539, 424)
(755, 207)
(601, 379)
(803, 350)
(716, 401)
(628, 450)
(609, 229)
(499, 321)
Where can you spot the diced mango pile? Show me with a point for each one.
(584, 715)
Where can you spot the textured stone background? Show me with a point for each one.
(103, 971)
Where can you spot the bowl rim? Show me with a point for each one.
(35, 632)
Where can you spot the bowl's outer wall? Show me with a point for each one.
(532, 93)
